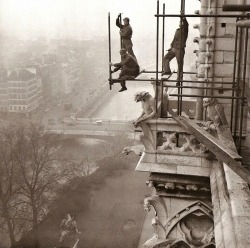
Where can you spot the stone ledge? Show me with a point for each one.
(173, 169)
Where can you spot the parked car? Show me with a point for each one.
(71, 124)
(97, 123)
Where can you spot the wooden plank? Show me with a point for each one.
(222, 152)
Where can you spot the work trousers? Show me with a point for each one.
(127, 44)
(174, 52)
(128, 73)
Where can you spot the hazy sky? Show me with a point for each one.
(83, 19)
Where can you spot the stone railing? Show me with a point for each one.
(171, 149)
(167, 137)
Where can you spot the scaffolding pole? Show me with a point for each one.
(234, 73)
(238, 86)
(110, 76)
(157, 56)
(243, 89)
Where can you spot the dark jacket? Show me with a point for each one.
(129, 61)
(126, 30)
(180, 36)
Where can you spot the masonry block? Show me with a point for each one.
(218, 79)
(220, 31)
(226, 20)
(179, 160)
(224, 70)
(218, 57)
(224, 44)
(195, 171)
(228, 228)
(218, 235)
(231, 29)
(243, 234)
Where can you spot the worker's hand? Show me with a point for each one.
(111, 64)
(136, 124)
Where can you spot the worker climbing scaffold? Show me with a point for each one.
(177, 48)
(126, 32)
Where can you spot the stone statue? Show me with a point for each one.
(215, 112)
(68, 229)
(137, 149)
(148, 107)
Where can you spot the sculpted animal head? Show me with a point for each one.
(147, 204)
(208, 101)
(136, 149)
(141, 96)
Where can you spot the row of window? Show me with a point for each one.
(11, 108)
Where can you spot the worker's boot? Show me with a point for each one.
(123, 86)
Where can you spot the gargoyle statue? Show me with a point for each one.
(215, 112)
(137, 149)
(148, 107)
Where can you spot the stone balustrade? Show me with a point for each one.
(170, 149)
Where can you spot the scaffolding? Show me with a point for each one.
(236, 86)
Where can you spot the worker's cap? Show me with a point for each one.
(123, 50)
(126, 19)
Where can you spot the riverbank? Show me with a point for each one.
(92, 106)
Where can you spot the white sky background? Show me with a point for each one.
(85, 19)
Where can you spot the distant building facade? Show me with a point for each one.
(4, 95)
(20, 92)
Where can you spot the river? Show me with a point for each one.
(121, 105)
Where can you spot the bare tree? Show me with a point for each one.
(9, 200)
(38, 169)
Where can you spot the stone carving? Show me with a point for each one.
(215, 112)
(150, 184)
(137, 149)
(148, 107)
(197, 12)
(160, 214)
(196, 26)
(169, 186)
(182, 187)
(189, 142)
(196, 40)
(197, 229)
(192, 226)
(179, 187)
(148, 138)
(192, 187)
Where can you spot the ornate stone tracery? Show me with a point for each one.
(193, 225)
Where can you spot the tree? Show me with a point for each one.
(8, 186)
(34, 169)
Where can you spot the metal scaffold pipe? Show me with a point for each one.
(238, 86)
(157, 56)
(109, 32)
(192, 15)
(234, 74)
(243, 89)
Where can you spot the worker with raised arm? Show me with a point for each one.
(129, 68)
(126, 34)
(177, 48)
